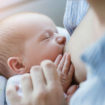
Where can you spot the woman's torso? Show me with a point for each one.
(88, 31)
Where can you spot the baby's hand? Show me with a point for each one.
(40, 87)
(65, 70)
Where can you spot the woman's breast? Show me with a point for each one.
(85, 34)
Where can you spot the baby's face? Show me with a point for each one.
(43, 42)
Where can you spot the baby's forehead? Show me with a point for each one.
(21, 25)
(26, 17)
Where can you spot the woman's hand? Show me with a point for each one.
(40, 87)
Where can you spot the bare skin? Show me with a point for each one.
(48, 86)
(65, 70)
(40, 34)
(86, 35)
(99, 7)
(82, 38)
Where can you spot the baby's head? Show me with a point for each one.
(25, 40)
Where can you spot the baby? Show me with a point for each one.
(93, 96)
(26, 40)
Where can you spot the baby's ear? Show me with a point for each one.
(16, 64)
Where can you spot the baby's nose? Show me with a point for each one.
(61, 39)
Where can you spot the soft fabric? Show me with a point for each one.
(92, 91)
(12, 81)
(75, 11)
(3, 82)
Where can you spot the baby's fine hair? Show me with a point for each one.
(11, 42)
(12, 39)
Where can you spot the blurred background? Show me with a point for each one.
(52, 8)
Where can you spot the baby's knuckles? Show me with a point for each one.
(49, 64)
(35, 69)
(25, 77)
(56, 90)
(36, 98)
(26, 102)
(56, 99)
(40, 94)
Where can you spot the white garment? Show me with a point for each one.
(12, 81)
(3, 82)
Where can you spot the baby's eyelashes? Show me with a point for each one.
(47, 35)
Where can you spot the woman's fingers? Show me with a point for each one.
(37, 77)
(50, 72)
(26, 84)
(12, 95)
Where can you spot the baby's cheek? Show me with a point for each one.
(52, 50)
(53, 53)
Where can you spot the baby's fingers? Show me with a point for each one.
(71, 71)
(67, 63)
(61, 64)
(12, 95)
(57, 60)
(50, 73)
(26, 84)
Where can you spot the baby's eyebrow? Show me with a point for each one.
(48, 31)
(42, 33)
